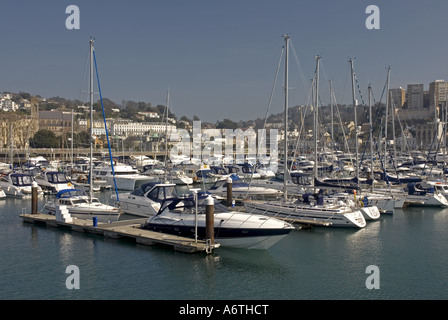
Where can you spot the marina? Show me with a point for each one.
(409, 248)
(204, 181)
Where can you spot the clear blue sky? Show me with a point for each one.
(218, 58)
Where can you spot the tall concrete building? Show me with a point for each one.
(415, 96)
(438, 93)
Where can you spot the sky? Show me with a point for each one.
(218, 59)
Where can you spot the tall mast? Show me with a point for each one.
(331, 110)
(355, 103)
(315, 111)
(285, 165)
(166, 134)
(393, 119)
(371, 136)
(91, 120)
(387, 115)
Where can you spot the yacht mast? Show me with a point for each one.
(387, 115)
(331, 111)
(371, 136)
(166, 135)
(315, 111)
(355, 103)
(285, 162)
(393, 119)
(91, 121)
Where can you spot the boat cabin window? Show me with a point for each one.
(218, 184)
(247, 169)
(203, 173)
(57, 177)
(219, 170)
(22, 180)
(233, 169)
(80, 201)
(161, 193)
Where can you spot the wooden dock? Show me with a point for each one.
(125, 229)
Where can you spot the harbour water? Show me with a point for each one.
(409, 249)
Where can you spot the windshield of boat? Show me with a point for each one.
(21, 180)
(217, 184)
(162, 193)
(188, 206)
(78, 201)
(57, 177)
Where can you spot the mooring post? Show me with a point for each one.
(34, 186)
(210, 220)
(229, 191)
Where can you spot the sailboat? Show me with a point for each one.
(77, 202)
(410, 196)
(330, 213)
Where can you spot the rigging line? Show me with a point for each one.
(342, 128)
(302, 124)
(105, 126)
(299, 67)
(269, 106)
(273, 87)
(86, 65)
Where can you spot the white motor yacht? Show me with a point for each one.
(231, 228)
(53, 181)
(80, 205)
(18, 185)
(144, 201)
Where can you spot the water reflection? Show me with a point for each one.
(409, 247)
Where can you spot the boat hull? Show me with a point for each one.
(234, 230)
(86, 212)
(370, 212)
(387, 205)
(308, 214)
(435, 200)
(141, 207)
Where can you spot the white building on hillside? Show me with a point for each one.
(6, 103)
(127, 128)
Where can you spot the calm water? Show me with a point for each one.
(409, 248)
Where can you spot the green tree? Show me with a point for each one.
(227, 124)
(44, 139)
